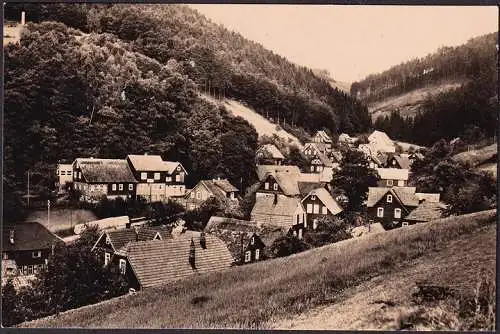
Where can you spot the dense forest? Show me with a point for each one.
(477, 57)
(109, 80)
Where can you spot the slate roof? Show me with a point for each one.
(403, 162)
(426, 211)
(148, 163)
(382, 136)
(406, 195)
(428, 197)
(285, 206)
(393, 173)
(306, 187)
(120, 238)
(263, 170)
(158, 262)
(172, 165)
(326, 198)
(106, 170)
(28, 236)
(271, 151)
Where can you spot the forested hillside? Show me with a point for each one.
(448, 94)
(108, 80)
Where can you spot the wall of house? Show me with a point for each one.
(271, 182)
(395, 183)
(25, 260)
(310, 204)
(64, 173)
(252, 248)
(129, 276)
(388, 219)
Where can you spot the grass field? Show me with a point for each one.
(255, 296)
(477, 157)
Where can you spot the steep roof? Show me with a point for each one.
(381, 137)
(324, 159)
(28, 236)
(404, 162)
(393, 173)
(263, 170)
(225, 185)
(285, 206)
(336, 156)
(162, 261)
(150, 163)
(326, 198)
(426, 211)
(172, 165)
(317, 147)
(324, 136)
(120, 238)
(306, 187)
(105, 170)
(406, 195)
(288, 183)
(271, 151)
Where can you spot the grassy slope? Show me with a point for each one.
(478, 158)
(253, 296)
(261, 124)
(408, 103)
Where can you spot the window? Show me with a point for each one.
(123, 266)
(390, 183)
(380, 212)
(305, 223)
(404, 224)
(198, 195)
(397, 213)
(178, 167)
(79, 175)
(36, 254)
(120, 186)
(300, 234)
(275, 186)
(113, 187)
(57, 172)
(313, 197)
(168, 179)
(252, 241)
(319, 168)
(108, 241)
(157, 176)
(178, 178)
(309, 208)
(69, 172)
(130, 187)
(192, 195)
(63, 172)
(107, 257)
(266, 185)
(389, 198)
(248, 256)
(30, 270)
(315, 224)
(312, 168)
(401, 183)
(144, 176)
(324, 210)
(257, 254)
(316, 208)
(298, 219)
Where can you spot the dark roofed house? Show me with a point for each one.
(390, 206)
(244, 238)
(269, 154)
(26, 247)
(103, 177)
(221, 189)
(319, 203)
(156, 262)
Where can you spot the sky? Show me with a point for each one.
(352, 42)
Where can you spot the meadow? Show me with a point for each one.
(253, 296)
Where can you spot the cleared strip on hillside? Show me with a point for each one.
(251, 296)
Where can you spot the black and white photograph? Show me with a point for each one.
(249, 166)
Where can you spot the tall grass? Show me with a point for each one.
(251, 296)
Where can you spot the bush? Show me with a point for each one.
(287, 245)
(328, 230)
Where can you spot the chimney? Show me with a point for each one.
(203, 241)
(136, 234)
(275, 199)
(23, 18)
(11, 237)
(192, 255)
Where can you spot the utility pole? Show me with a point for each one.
(28, 189)
(48, 214)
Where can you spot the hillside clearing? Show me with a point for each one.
(477, 157)
(253, 296)
(408, 103)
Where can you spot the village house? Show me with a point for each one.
(95, 178)
(110, 243)
(429, 208)
(319, 203)
(269, 155)
(64, 173)
(390, 206)
(311, 149)
(380, 142)
(319, 162)
(322, 137)
(157, 180)
(247, 241)
(347, 140)
(218, 188)
(392, 177)
(398, 161)
(151, 263)
(26, 247)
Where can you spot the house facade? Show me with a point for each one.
(64, 173)
(323, 137)
(26, 248)
(319, 162)
(283, 211)
(392, 177)
(269, 154)
(390, 206)
(103, 177)
(157, 180)
(319, 203)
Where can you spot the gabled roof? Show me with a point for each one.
(285, 206)
(322, 134)
(403, 162)
(306, 187)
(120, 238)
(326, 198)
(149, 163)
(382, 137)
(324, 159)
(393, 173)
(317, 147)
(172, 165)
(263, 170)
(162, 261)
(271, 151)
(405, 195)
(336, 156)
(28, 236)
(426, 211)
(105, 170)
(218, 188)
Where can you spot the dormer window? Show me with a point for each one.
(389, 198)
(313, 197)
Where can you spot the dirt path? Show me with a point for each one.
(378, 303)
